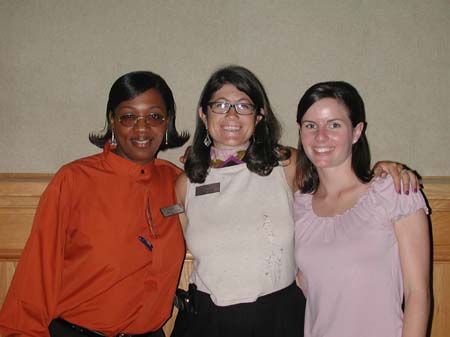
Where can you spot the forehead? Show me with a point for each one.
(327, 108)
(231, 93)
(148, 99)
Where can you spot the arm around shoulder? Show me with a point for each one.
(404, 179)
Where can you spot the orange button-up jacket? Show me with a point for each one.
(84, 261)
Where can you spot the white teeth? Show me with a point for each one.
(323, 149)
(142, 142)
(231, 128)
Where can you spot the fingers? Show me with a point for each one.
(410, 181)
(378, 171)
(414, 181)
(405, 180)
(404, 176)
(184, 157)
(397, 177)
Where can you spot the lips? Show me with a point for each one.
(141, 142)
(323, 149)
(231, 127)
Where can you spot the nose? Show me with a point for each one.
(321, 134)
(140, 123)
(232, 111)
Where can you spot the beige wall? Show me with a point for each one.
(58, 60)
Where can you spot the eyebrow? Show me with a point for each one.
(328, 121)
(239, 100)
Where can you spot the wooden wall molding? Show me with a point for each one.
(437, 191)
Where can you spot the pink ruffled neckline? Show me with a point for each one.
(356, 205)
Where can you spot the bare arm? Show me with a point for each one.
(290, 167)
(414, 244)
(404, 179)
(300, 281)
(180, 191)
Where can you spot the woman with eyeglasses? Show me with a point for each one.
(106, 247)
(237, 191)
(363, 250)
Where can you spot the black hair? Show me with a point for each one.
(347, 95)
(131, 85)
(264, 151)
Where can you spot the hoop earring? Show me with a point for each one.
(167, 138)
(113, 141)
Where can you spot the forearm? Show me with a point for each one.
(417, 310)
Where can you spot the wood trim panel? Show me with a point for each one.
(20, 193)
(437, 191)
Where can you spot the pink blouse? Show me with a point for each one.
(351, 264)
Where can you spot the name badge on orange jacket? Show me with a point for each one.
(172, 210)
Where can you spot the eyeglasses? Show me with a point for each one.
(224, 107)
(152, 119)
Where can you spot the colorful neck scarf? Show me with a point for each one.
(223, 158)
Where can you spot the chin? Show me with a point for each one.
(322, 164)
(145, 159)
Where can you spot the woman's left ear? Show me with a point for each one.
(260, 116)
(111, 120)
(357, 131)
(202, 115)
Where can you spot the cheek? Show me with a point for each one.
(306, 138)
(121, 133)
(213, 124)
(160, 130)
(251, 126)
(208, 120)
(345, 139)
(159, 133)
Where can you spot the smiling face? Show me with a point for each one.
(230, 130)
(139, 143)
(327, 134)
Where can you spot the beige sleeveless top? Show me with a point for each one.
(241, 234)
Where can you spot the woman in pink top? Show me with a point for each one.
(362, 249)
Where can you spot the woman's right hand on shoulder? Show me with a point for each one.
(184, 157)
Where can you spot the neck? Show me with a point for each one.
(334, 180)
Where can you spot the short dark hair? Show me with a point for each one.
(264, 151)
(131, 85)
(347, 95)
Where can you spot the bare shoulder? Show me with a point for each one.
(180, 191)
(182, 178)
(180, 187)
